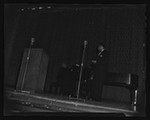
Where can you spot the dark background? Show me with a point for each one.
(61, 30)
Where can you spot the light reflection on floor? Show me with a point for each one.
(52, 103)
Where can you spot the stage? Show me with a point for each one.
(38, 103)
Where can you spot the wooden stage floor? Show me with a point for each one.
(28, 103)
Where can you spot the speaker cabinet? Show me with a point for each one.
(33, 70)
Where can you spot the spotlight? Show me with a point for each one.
(33, 8)
(40, 7)
(49, 7)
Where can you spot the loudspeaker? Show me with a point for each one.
(33, 71)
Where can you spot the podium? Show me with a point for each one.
(33, 70)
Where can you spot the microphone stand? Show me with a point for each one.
(24, 75)
(80, 75)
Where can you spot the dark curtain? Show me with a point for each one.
(62, 32)
(11, 21)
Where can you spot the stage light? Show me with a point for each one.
(49, 7)
(33, 8)
(40, 7)
(46, 106)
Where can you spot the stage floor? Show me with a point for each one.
(41, 102)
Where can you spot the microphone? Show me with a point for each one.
(85, 43)
(32, 40)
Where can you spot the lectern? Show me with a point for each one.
(33, 71)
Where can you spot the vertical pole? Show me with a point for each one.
(28, 57)
(80, 76)
(135, 100)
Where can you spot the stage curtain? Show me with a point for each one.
(61, 32)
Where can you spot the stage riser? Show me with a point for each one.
(65, 105)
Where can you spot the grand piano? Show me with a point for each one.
(126, 80)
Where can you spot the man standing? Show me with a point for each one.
(99, 67)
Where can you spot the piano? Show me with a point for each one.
(127, 80)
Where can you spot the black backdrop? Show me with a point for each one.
(61, 32)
